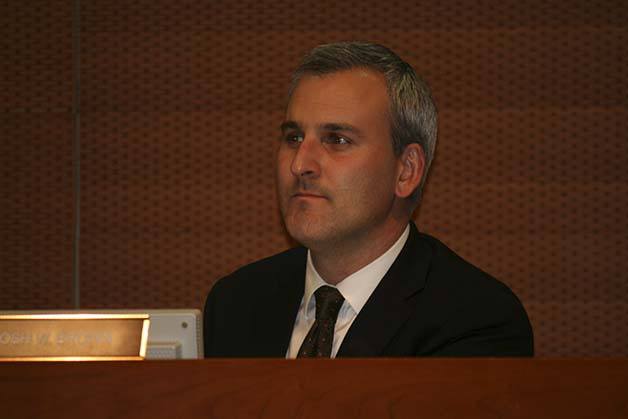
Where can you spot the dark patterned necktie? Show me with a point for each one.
(319, 339)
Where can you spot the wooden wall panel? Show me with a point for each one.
(173, 200)
(36, 140)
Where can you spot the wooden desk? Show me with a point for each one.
(328, 389)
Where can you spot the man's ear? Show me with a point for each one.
(411, 169)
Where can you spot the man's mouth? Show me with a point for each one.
(304, 194)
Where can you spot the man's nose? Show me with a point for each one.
(306, 160)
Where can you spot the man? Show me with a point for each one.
(356, 144)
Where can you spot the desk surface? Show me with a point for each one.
(359, 388)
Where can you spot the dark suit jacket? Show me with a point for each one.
(430, 303)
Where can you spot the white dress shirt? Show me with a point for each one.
(356, 289)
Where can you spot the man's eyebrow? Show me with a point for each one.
(289, 125)
(338, 126)
(329, 126)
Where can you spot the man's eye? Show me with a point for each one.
(336, 139)
(293, 139)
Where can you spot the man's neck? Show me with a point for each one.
(335, 263)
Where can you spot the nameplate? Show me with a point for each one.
(73, 337)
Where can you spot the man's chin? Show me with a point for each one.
(308, 235)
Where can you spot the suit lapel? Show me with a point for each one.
(391, 303)
(279, 304)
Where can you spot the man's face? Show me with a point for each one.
(336, 170)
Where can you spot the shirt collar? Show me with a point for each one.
(357, 287)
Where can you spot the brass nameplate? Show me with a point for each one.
(73, 337)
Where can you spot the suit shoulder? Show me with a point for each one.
(467, 288)
(480, 314)
(452, 270)
(257, 273)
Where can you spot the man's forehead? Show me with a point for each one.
(360, 79)
(341, 97)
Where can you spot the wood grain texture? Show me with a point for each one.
(441, 388)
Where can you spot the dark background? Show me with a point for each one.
(137, 146)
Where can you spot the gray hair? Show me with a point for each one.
(412, 109)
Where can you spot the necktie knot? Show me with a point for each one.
(328, 303)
